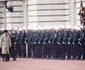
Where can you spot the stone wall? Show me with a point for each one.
(35, 13)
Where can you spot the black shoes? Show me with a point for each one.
(14, 59)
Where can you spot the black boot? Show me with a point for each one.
(14, 59)
(7, 57)
(3, 57)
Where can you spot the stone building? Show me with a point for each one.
(33, 13)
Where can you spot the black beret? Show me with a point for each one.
(5, 31)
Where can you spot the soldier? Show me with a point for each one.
(15, 33)
(13, 48)
(46, 45)
(70, 44)
(78, 47)
(34, 43)
(18, 43)
(55, 43)
(65, 42)
(28, 40)
(22, 41)
(73, 43)
(82, 41)
(39, 45)
(60, 45)
(41, 38)
(52, 43)
(35, 46)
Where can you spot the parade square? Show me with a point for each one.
(42, 64)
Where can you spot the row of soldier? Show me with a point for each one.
(59, 43)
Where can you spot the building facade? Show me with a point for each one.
(34, 13)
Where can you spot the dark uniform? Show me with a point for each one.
(34, 44)
(46, 48)
(56, 45)
(82, 40)
(78, 45)
(39, 44)
(60, 45)
(23, 44)
(67, 48)
(52, 43)
(40, 41)
(18, 44)
(13, 48)
(75, 47)
(28, 40)
(74, 44)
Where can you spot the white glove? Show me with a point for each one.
(68, 42)
(38, 42)
(63, 42)
(58, 43)
(79, 43)
(48, 41)
(73, 43)
(44, 42)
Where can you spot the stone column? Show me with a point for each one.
(25, 13)
(72, 12)
(32, 14)
(5, 23)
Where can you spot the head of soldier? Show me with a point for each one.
(19, 30)
(10, 31)
(23, 29)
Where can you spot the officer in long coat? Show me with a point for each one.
(5, 44)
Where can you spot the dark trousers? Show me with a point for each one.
(74, 51)
(78, 51)
(13, 52)
(48, 50)
(39, 52)
(68, 50)
(5, 57)
(62, 53)
(29, 50)
(44, 51)
(54, 50)
(58, 51)
(33, 52)
(18, 49)
(83, 50)
(23, 49)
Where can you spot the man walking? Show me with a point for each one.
(5, 44)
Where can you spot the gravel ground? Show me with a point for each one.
(42, 64)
